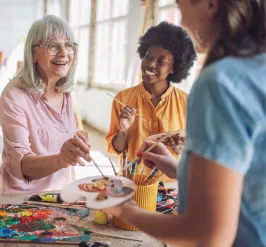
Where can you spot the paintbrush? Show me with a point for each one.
(150, 176)
(97, 167)
(141, 174)
(75, 135)
(124, 164)
(112, 235)
(57, 205)
(125, 106)
(146, 151)
(133, 171)
(156, 177)
(113, 166)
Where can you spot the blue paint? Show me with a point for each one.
(47, 240)
(6, 233)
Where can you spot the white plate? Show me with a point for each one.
(71, 193)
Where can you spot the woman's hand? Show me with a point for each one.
(84, 136)
(126, 117)
(122, 209)
(159, 157)
(74, 149)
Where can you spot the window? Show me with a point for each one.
(79, 18)
(111, 41)
(169, 12)
(54, 7)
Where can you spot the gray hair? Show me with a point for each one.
(43, 31)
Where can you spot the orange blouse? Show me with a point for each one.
(168, 115)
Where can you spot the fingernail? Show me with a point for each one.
(139, 154)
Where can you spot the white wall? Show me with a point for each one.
(94, 106)
(16, 17)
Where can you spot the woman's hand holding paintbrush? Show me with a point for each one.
(74, 149)
(81, 137)
(130, 109)
(159, 157)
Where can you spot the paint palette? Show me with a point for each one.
(175, 140)
(41, 224)
(100, 192)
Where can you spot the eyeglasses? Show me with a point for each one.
(55, 48)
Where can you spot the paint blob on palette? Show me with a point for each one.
(43, 224)
(100, 192)
(175, 140)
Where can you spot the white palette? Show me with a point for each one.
(71, 193)
(156, 137)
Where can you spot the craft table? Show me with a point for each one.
(110, 228)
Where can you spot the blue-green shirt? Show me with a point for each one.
(226, 123)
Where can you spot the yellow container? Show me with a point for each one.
(145, 197)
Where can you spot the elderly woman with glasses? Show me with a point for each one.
(36, 113)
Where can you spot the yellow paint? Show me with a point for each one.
(3, 213)
(49, 198)
(100, 217)
(25, 213)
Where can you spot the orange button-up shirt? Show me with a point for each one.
(168, 115)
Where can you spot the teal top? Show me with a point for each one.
(226, 123)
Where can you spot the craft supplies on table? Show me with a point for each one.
(100, 192)
(88, 222)
(167, 200)
(31, 224)
(53, 200)
(49, 197)
(145, 197)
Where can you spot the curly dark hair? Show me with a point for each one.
(174, 39)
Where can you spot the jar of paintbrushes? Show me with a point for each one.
(146, 192)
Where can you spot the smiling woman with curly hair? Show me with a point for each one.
(167, 54)
(177, 42)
